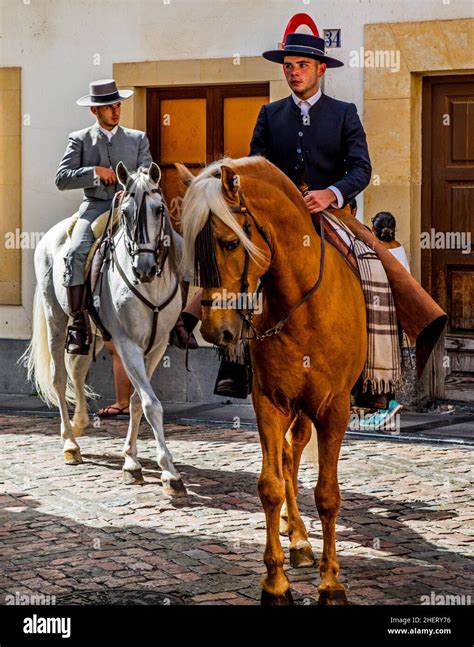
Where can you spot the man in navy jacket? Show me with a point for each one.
(317, 141)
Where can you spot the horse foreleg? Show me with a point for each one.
(134, 364)
(272, 425)
(331, 428)
(132, 470)
(301, 553)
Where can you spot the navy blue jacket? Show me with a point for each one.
(330, 150)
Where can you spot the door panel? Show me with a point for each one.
(448, 207)
(240, 115)
(183, 130)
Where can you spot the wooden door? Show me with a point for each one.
(198, 125)
(448, 219)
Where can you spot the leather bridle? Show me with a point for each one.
(140, 229)
(248, 315)
(160, 252)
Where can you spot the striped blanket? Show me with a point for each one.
(382, 370)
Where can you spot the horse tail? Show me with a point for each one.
(37, 356)
(37, 360)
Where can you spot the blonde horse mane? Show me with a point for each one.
(204, 195)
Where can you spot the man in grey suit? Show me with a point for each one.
(91, 156)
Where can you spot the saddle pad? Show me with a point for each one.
(335, 238)
(98, 228)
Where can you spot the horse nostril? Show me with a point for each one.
(227, 336)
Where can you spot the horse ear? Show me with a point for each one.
(154, 173)
(122, 173)
(230, 182)
(186, 176)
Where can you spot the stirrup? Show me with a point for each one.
(182, 339)
(77, 340)
(233, 380)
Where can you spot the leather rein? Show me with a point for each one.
(247, 317)
(160, 252)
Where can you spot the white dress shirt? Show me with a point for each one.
(305, 105)
(109, 134)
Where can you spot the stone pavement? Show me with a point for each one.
(404, 530)
(445, 422)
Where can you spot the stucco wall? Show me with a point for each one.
(61, 45)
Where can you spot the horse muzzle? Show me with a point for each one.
(224, 334)
(144, 267)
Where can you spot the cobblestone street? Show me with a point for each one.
(403, 532)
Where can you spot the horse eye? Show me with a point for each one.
(231, 245)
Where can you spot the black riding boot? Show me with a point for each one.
(233, 380)
(182, 333)
(77, 332)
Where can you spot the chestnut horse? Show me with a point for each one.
(244, 221)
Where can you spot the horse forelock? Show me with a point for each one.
(203, 200)
(140, 183)
(146, 196)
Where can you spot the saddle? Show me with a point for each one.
(336, 241)
(94, 261)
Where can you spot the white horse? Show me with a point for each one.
(145, 253)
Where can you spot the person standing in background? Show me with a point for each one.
(384, 226)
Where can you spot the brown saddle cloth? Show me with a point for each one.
(418, 314)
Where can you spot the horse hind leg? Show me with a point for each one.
(331, 428)
(77, 369)
(299, 435)
(57, 339)
(301, 552)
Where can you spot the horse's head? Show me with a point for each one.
(226, 245)
(144, 220)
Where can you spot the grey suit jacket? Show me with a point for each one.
(89, 147)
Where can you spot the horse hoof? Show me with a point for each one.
(302, 556)
(174, 488)
(271, 600)
(73, 457)
(133, 477)
(333, 598)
